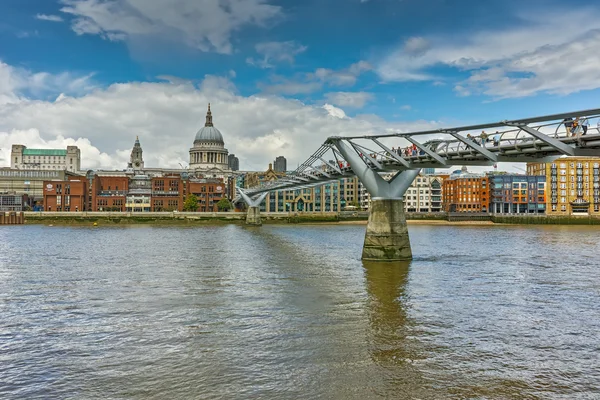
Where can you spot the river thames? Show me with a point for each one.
(290, 312)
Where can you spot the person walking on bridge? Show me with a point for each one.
(484, 138)
(497, 139)
(568, 125)
(585, 124)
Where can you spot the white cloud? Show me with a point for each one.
(537, 56)
(406, 107)
(276, 52)
(349, 99)
(46, 17)
(314, 81)
(18, 83)
(416, 46)
(343, 77)
(206, 25)
(167, 115)
(334, 111)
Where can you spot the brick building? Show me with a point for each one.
(108, 193)
(167, 193)
(466, 192)
(69, 195)
(208, 192)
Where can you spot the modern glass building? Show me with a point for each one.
(518, 194)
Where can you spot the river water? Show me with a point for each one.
(290, 312)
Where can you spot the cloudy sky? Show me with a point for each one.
(281, 75)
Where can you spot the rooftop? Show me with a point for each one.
(44, 152)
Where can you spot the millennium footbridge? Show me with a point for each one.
(369, 157)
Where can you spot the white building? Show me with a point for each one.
(45, 159)
(424, 194)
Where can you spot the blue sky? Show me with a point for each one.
(388, 64)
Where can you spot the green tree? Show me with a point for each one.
(224, 205)
(190, 203)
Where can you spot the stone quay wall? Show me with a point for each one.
(85, 217)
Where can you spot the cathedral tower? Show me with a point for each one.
(136, 161)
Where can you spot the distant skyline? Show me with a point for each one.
(281, 76)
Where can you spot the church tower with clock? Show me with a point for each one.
(136, 161)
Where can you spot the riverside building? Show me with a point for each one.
(326, 197)
(68, 159)
(573, 185)
(69, 195)
(466, 192)
(30, 182)
(424, 194)
(518, 194)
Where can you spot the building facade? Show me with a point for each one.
(424, 194)
(69, 195)
(13, 202)
(234, 162)
(209, 192)
(45, 159)
(518, 194)
(139, 195)
(466, 192)
(280, 164)
(573, 185)
(30, 182)
(326, 197)
(107, 193)
(167, 193)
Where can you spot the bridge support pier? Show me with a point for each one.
(253, 215)
(386, 238)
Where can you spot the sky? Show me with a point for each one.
(281, 75)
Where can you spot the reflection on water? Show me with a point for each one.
(290, 312)
(391, 345)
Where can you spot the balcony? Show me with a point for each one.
(144, 191)
(106, 193)
(165, 193)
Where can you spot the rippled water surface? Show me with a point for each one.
(290, 312)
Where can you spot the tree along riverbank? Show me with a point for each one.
(196, 218)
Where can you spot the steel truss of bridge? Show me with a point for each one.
(370, 157)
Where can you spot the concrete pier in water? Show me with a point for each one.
(253, 216)
(386, 238)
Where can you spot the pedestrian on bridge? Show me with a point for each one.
(484, 138)
(568, 125)
(576, 128)
(497, 139)
(585, 124)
